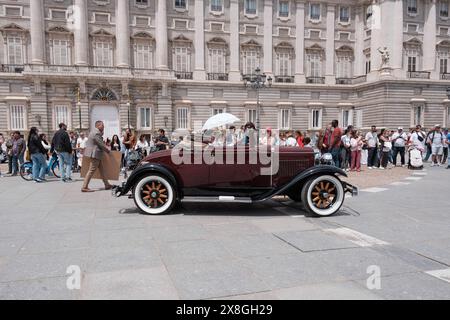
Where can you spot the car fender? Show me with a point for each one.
(303, 177)
(145, 170)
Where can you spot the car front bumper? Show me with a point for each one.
(351, 189)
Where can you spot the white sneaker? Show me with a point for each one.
(370, 168)
(382, 168)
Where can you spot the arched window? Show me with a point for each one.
(104, 94)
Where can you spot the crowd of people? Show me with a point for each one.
(350, 148)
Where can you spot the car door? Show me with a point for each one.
(236, 168)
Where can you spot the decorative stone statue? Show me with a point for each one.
(384, 56)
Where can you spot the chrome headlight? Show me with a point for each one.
(327, 157)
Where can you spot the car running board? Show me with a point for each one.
(221, 199)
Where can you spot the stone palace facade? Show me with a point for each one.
(171, 64)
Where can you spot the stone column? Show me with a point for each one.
(392, 26)
(161, 36)
(429, 39)
(37, 31)
(268, 38)
(387, 31)
(81, 33)
(359, 44)
(375, 41)
(300, 42)
(199, 71)
(235, 73)
(164, 116)
(329, 63)
(123, 34)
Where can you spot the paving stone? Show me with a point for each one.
(354, 263)
(118, 223)
(10, 246)
(39, 289)
(43, 243)
(314, 240)
(106, 259)
(120, 238)
(327, 291)
(36, 266)
(179, 233)
(233, 229)
(130, 284)
(280, 224)
(438, 249)
(193, 251)
(214, 280)
(256, 245)
(413, 286)
(285, 271)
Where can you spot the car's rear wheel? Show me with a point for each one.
(154, 195)
(323, 195)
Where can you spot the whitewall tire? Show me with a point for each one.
(154, 195)
(323, 196)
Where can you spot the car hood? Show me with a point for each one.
(155, 156)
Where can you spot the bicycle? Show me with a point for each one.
(26, 169)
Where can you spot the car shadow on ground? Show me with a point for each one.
(271, 208)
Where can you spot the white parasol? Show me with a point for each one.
(219, 120)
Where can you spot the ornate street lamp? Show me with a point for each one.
(257, 81)
(128, 108)
(79, 107)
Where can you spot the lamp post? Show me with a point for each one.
(79, 107)
(128, 109)
(257, 81)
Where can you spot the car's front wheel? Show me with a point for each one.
(323, 195)
(154, 195)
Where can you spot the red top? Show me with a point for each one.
(336, 138)
(300, 142)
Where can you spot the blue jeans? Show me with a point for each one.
(17, 161)
(65, 165)
(336, 153)
(39, 166)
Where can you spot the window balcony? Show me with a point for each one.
(344, 80)
(354, 80)
(216, 8)
(218, 76)
(64, 71)
(183, 75)
(12, 68)
(284, 79)
(315, 80)
(359, 79)
(418, 74)
(445, 76)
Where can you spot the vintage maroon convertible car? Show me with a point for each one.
(158, 183)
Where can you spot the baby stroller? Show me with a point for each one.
(415, 161)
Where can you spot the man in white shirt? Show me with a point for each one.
(436, 139)
(399, 140)
(372, 147)
(418, 138)
(81, 145)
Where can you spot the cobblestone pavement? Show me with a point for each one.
(397, 227)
